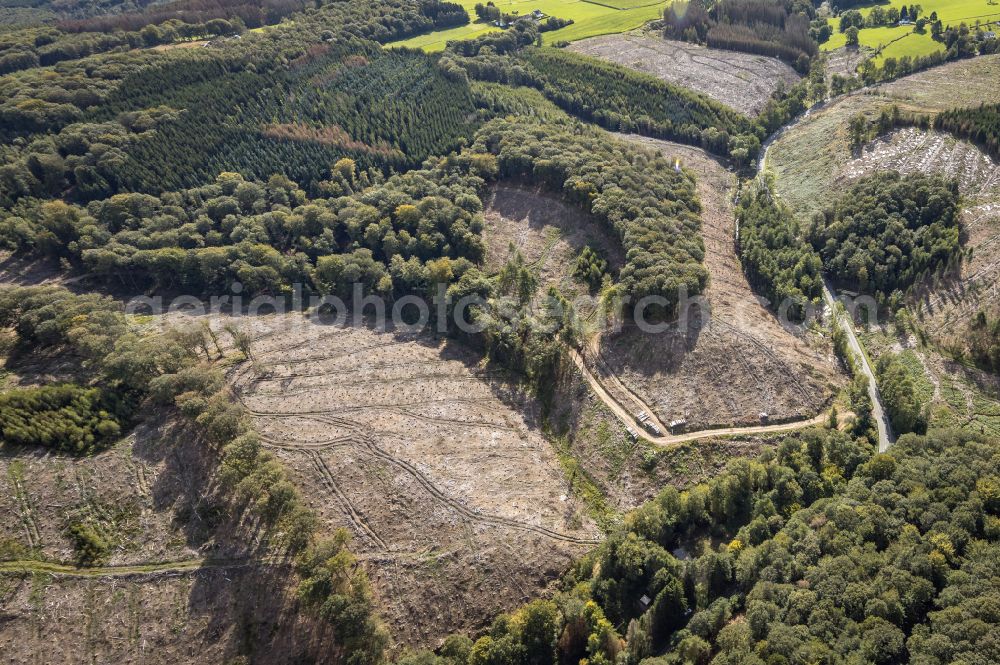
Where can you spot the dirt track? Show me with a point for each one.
(946, 308)
(628, 417)
(735, 360)
(886, 437)
(813, 162)
(133, 570)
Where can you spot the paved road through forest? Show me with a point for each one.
(886, 437)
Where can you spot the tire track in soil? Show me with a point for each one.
(367, 441)
(336, 356)
(468, 513)
(342, 409)
(965, 304)
(286, 444)
(769, 353)
(372, 382)
(375, 450)
(626, 417)
(748, 370)
(468, 424)
(359, 522)
(353, 370)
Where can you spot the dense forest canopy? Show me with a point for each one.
(826, 553)
(637, 193)
(64, 417)
(172, 124)
(622, 99)
(271, 235)
(980, 125)
(778, 28)
(778, 262)
(181, 21)
(889, 231)
(615, 97)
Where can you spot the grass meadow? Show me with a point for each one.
(591, 18)
(897, 41)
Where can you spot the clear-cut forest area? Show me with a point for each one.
(501, 332)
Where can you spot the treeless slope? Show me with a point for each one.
(456, 501)
(813, 162)
(740, 362)
(203, 615)
(810, 158)
(181, 584)
(948, 305)
(550, 234)
(740, 80)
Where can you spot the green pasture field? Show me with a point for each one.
(591, 18)
(896, 42)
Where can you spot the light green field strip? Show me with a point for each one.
(609, 24)
(591, 18)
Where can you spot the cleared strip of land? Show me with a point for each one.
(740, 80)
(68, 570)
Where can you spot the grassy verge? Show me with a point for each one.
(583, 486)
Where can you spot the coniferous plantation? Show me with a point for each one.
(609, 95)
(779, 29)
(166, 505)
(980, 125)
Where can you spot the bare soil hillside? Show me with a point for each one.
(128, 492)
(549, 234)
(628, 472)
(181, 583)
(845, 60)
(741, 362)
(204, 615)
(912, 150)
(740, 80)
(437, 465)
(811, 158)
